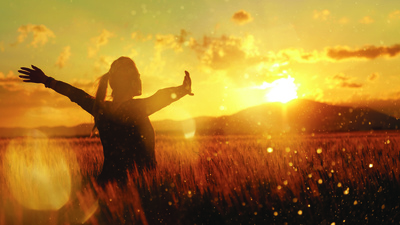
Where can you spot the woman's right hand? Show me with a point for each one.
(34, 75)
(187, 83)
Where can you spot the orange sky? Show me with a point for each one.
(333, 51)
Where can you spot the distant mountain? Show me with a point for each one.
(296, 116)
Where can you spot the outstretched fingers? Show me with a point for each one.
(188, 83)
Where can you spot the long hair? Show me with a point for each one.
(115, 77)
(100, 98)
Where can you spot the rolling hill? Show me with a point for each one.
(300, 115)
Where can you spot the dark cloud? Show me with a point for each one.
(241, 17)
(368, 52)
(343, 81)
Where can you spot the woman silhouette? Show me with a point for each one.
(125, 130)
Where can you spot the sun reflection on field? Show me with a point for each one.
(38, 173)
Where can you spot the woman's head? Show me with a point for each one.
(124, 80)
(124, 77)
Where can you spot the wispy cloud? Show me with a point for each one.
(226, 51)
(64, 56)
(321, 15)
(344, 81)
(395, 15)
(373, 77)
(41, 34)
(366, 20)
(367, 52)
(241, 17)
(99, 41)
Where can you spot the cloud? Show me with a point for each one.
(226, 51)
(366, 20)
(373, 77)
(367, 52)
(395, 15)
(321, 15)
(9, 81)
(299, 55)
(241, 17)
(170, 41)
(41, 34)
(343, 81)
(64, 56)
(343, 20)
(99, 41)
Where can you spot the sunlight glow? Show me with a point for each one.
(38, 173)
(281, 90)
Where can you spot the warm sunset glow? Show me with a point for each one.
(38, 174)
(281, 90)
(226, 56)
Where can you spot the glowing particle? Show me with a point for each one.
(332, 171)
(333, 223)
(169, 203)
(173, 96)
(319, 150)
(346, 192)
(339, 114)
(279, 187)
(285, 182)
(275, 213)
(243, 204)
(371, 165)
(294, 200)
(290, 164)
(222, 108)
(383, 207)
(208, 158)
(309, 175)
(319, 181)
(388, 142)
(287, 149)
(255, 213)
(355, 202)
(269, 137)
(300, 212)
(269, 150)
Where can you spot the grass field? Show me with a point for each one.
(341, 178)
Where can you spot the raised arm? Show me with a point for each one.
(36, 75)
(166, 96)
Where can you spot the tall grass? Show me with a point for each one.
(303, 179)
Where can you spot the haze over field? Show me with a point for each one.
(239, 53)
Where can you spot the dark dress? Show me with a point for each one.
(126, 133)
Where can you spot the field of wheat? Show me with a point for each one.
(340, 178)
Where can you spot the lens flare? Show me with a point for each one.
(38, 173)
(189, 128)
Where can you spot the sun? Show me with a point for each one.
(281, 90)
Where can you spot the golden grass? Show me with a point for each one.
(307, 179)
